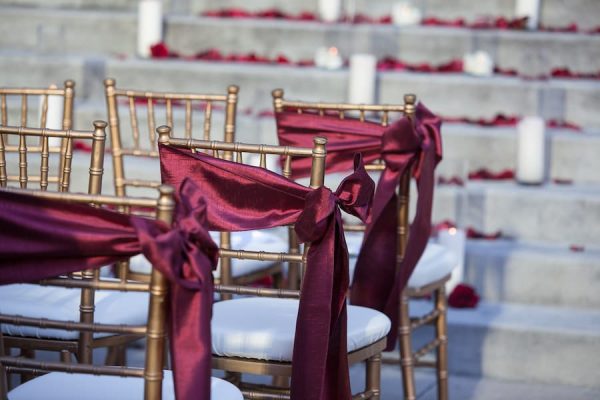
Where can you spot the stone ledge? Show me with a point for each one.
(104, 32)
(526, 273)
(524, 343)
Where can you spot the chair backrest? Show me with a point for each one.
(293, 257)
(97, 137)
(67, 93)
(381, 113)
(54, 108)
(136, 146)
(378, 113)
(154, 330)
(16, 167)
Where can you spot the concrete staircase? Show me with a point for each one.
(539, 320)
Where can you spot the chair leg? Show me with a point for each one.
(65, 356)
(373, 376)
(3, 375)
(278, 281)
(30, 354)
(117, 355)
(441, 329)
(406, 354)
(281, 382)
(233, 377)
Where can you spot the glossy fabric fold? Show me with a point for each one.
(42, 238)
(345, 137)
(241, 197)
(408, 143)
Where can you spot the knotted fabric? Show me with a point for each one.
(242, 197)
(43, 238)
(408, 143)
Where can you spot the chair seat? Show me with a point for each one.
(251, 240)
(63, 386)
(435, 263)
(264, 328)
(60, 303)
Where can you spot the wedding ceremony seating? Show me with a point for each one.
(58, 299)
(102, 235)
(353, 128)
(250, 332)
(297, 334)
(130, 143)
(304, 200)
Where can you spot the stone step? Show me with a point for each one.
(553, 12)
(448, 95)
(552, 214)
(452, 95)
(560, 214)
(526, 273)
(466, 147)
(532, 53)
(572, 154)
(523, 343)
(74, 4)
(68, 31)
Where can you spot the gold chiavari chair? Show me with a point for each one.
(435, 266)
(255, 334)
(82, 304)
(62, 380)
(22, 97)
(129, 146)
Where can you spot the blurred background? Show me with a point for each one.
(525, 190)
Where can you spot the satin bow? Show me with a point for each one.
(42, 238)
(377, 282)
(241, 197)
(354, 195)
(321, 224)
(187, 255)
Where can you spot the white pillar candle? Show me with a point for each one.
(530, 9)
(350, 9)
(54, 115)
(406, 14)
(361, 84)
(328, 58)
(531, 152)
(455, 241)
(330, 10)
(150, 26)
(479, 64)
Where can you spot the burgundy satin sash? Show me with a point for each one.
(345, 137)
(241, 197)
(405, 144)
(42, 238)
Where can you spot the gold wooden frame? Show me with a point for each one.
(229, 101)
(84, 346)
(154, 331)
(234, 366)
(67, 92)
(409, 358)
(119, 151)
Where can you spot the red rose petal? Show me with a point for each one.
(463, 296)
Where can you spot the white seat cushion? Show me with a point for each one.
(251, 240)
(435, 263)
(51, 302)
(63, 386)
(264, 328)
